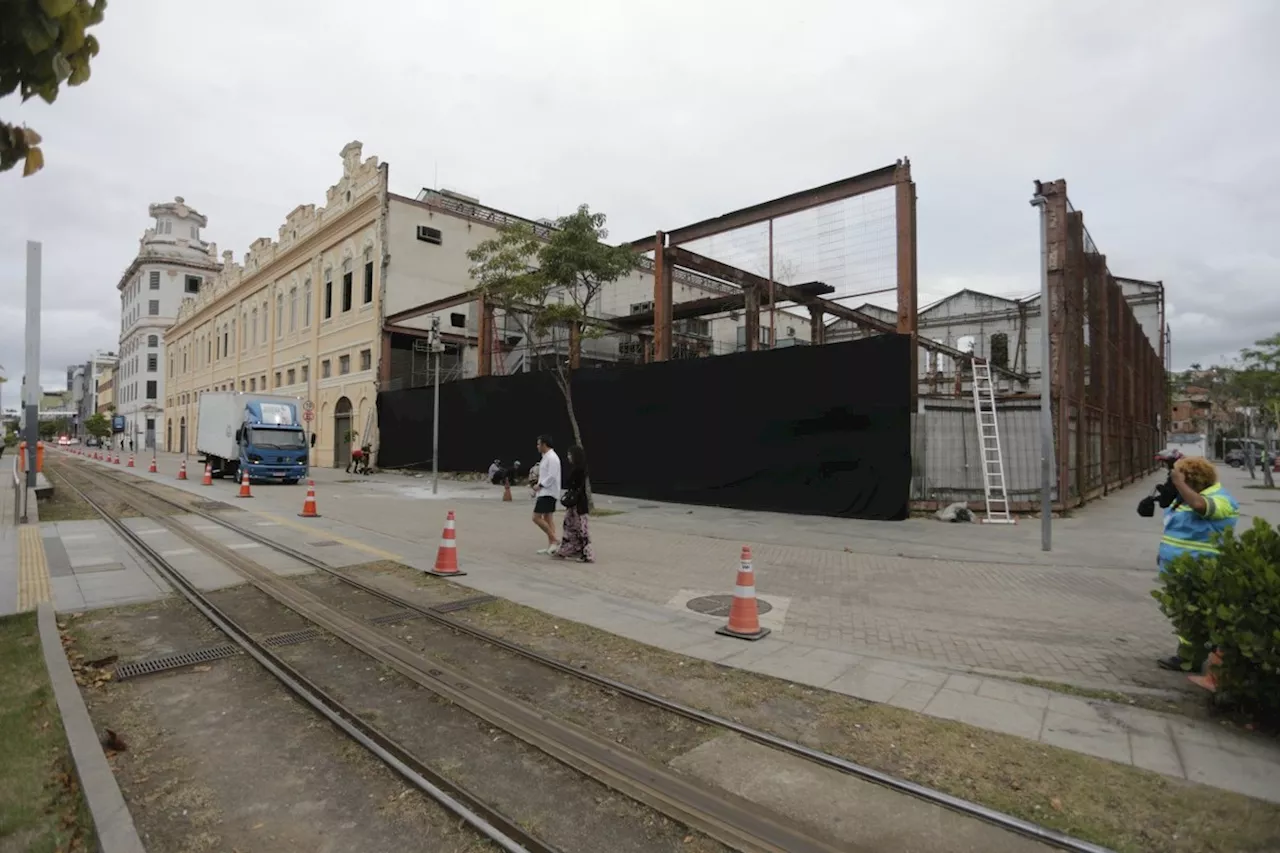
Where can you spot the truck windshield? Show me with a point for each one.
(277, 439)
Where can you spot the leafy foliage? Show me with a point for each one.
(43, 44)
(1231, 602)
(98, 425)
(521, 272)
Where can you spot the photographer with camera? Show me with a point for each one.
(1165, 493)
(1198, 509)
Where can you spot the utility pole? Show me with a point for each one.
(437, 349)
(32, 403)
(1046, 397)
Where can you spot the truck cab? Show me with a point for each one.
(256, 434)
(273, 451)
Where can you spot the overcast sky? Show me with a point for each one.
(1157, 114)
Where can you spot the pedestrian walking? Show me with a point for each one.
(575, 541)
(546, 492)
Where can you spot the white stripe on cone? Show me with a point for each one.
(744, 592)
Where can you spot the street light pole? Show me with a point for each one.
(1046, 402)
(437, 349)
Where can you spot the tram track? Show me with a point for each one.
(731, 820)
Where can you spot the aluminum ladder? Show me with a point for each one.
(984, 407)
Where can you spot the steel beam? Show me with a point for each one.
(908, 291)
(878, 179)
(484, 345)
(662, 299)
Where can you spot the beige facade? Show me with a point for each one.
(300, 316)
(107, 390)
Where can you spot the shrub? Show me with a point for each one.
(1231, 601)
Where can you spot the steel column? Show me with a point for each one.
(908, 293)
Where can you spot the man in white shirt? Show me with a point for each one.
(546, 493)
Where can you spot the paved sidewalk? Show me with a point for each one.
(919, 633)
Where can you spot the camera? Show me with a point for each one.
(1165, 493)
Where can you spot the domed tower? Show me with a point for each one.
(173, 261)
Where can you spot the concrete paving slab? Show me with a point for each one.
(805, 668)
(1092, 737)
(1156, 753)
(1032, 697)
(58, 559)
(864, 684)
(914, 696)
(963, 683)
(1253, 775)
(984, 712)
(851, 811)
(1071, 706)
(907, 672)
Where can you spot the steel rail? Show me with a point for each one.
(734, 821)
(940, 798)
(492, 824)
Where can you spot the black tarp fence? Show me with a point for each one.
(820, 430)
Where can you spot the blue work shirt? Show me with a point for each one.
(1187, 531)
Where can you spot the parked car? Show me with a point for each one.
(93, 441)
(1235, 458)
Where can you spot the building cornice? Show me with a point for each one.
(211, 265)
(367, 182)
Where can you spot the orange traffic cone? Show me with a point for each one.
(207, 480)
(130, 465)
(309, 505)
(152, 468)
(506, 492)
(182, 470)
(116, 460)
(447, 556)
(744, 615)
(244, 486)
(1209, 679)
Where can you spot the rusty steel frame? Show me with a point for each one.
(1107, 381)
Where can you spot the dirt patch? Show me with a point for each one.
(1122, 807)
(567, 809)
(66, 505)
(40, 804)
(219, 757)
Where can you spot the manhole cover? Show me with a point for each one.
(718, 605)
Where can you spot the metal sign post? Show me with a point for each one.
(308, 413)
(437, 349)
(32, 403)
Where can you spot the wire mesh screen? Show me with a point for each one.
(849, 244)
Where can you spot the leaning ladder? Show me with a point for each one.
(984, 407)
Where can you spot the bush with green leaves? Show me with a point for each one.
(1231, 601)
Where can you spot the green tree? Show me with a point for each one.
(98, 425)
(43, 44)
(526, 276)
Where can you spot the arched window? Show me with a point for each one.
(279, 315)
(293, 309)
(153, 340)
(306, 304)
(265, 321)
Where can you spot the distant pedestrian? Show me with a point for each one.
(494, 468)
(576, 540)
(546, 492)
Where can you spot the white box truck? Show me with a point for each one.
(258, 433)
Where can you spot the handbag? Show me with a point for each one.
(569, 499)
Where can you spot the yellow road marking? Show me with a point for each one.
(33, 570)
(329, 534)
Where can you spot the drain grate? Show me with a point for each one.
(463, 603)
(393, 618)
(291, 638)
(323, 543)
(174, 661)
(718, 605)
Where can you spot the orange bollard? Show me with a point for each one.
(506, 493)
(182, 470)
(207, 480)
(152, 468)
(130, 465)
(447, 557)
(309, 505)
(244, 485)
(744, 614)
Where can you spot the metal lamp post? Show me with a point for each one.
(1046, 402)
